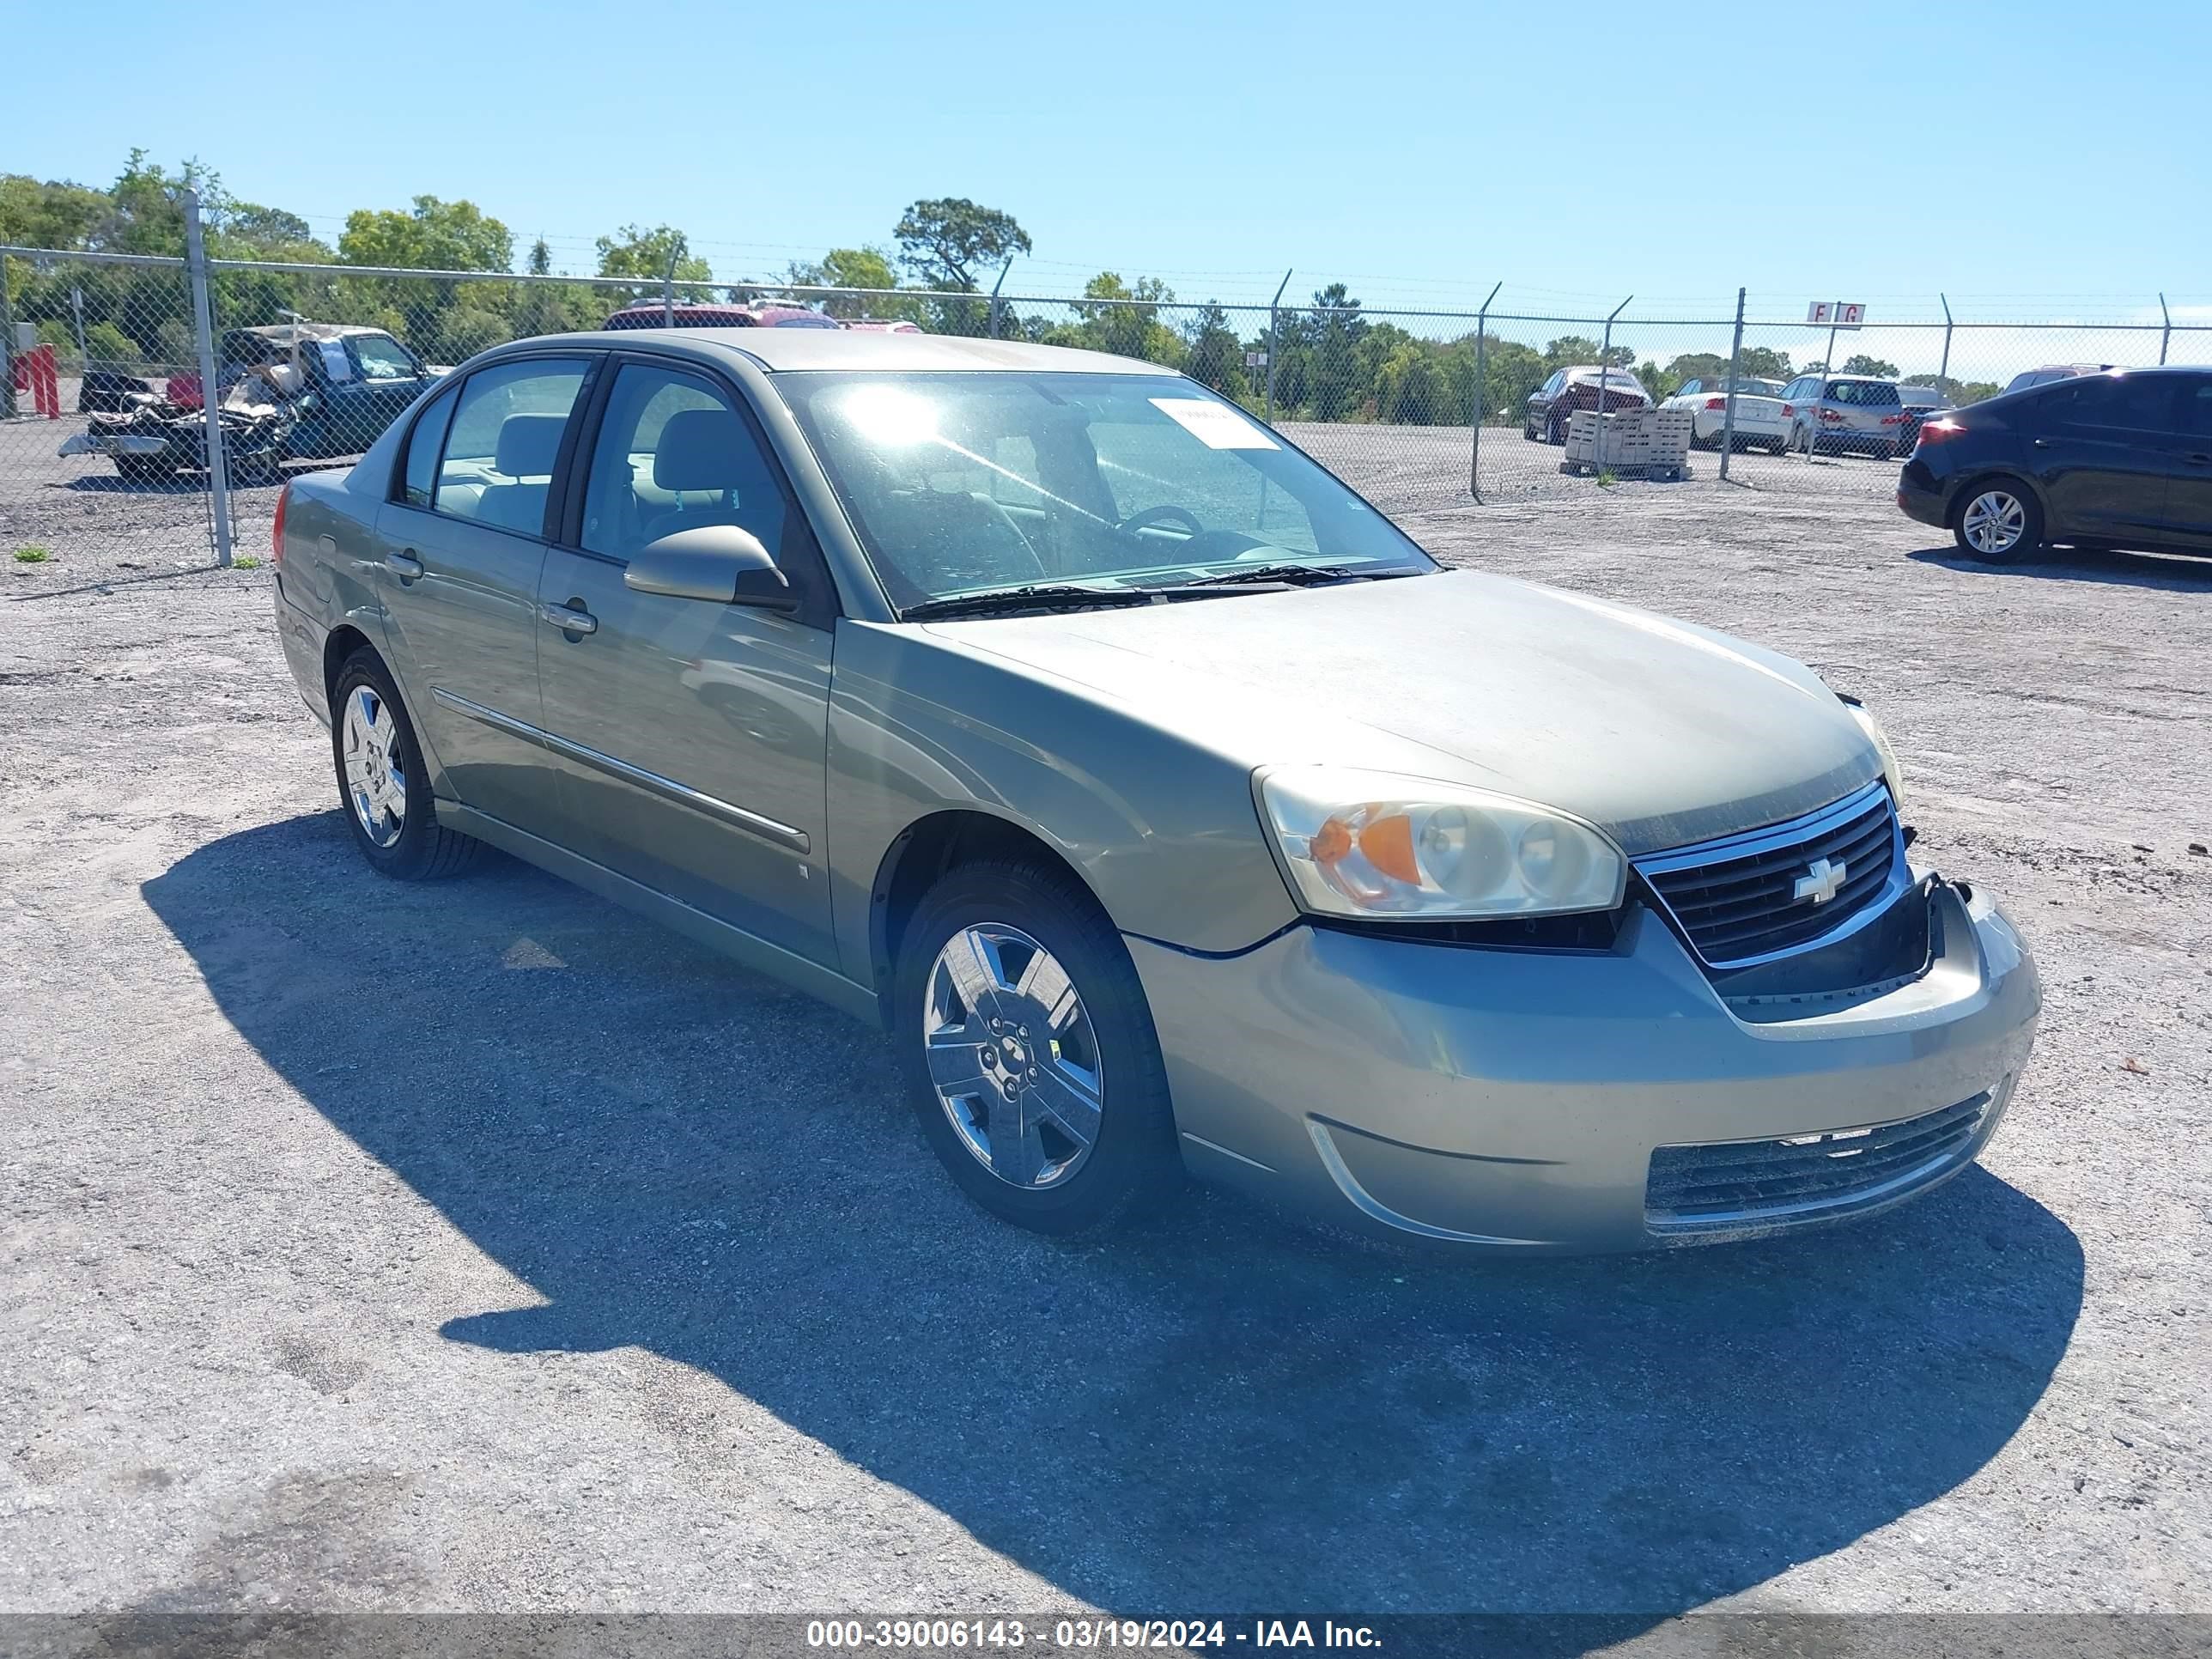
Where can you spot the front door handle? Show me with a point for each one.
(567, 620)
(405, 566)
(2197, 458)
(2045, 443)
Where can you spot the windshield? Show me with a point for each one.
(961, 483)
(1757, 388)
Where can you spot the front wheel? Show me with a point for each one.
(1999, 522)
(382, 781)
(1029, 1051)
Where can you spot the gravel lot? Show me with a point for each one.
(482, 1247)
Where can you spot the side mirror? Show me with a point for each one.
(721, 564)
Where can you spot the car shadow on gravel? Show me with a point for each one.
(1215, 1413)
(2176, 573)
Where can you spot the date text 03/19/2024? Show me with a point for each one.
(1079, 1635)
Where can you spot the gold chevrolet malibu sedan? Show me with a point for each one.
(1168, 806)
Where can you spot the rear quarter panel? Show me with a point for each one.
(327, 578)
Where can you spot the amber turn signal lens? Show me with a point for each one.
(1388, 844)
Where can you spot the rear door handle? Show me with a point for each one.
(2197, 458)
(567, 620)
(405, 566)
(2045, 443)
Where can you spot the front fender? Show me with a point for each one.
(1163, 830)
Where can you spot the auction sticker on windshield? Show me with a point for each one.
(1215, 425)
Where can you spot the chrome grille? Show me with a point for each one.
(1755, 1184)
(1745, 898)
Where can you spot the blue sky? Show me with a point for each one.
(2031, 159)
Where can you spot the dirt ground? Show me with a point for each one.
(482, 1247)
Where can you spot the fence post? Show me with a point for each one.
(1481, 393)
(1943, 372)
(1605, 374)
(1275, 342)
(7, 343)
(211, 394)
(995, 287)
(1727, 392)
(668, 292)
(2166, 334)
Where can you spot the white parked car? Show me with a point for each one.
(1759, 421)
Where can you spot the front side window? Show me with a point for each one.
(506, 434)
(672, 455)
(958, 483)
(382, 358)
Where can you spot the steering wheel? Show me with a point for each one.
(1165, 511)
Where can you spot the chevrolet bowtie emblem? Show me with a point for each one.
(1821, 882)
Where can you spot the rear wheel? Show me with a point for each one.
(1555, 429)
(382, 781)
(144, 469)
(1998, 521)
(1030, 1052)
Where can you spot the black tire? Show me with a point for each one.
(145, 470)
(424, 850)
(1555, 430)
(2024, 543)
(1132, 1167)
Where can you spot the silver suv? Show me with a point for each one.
(1844, 414)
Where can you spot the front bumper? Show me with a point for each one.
(1514, 1099)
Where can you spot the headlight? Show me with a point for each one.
(1872, 727)
(1360, 843)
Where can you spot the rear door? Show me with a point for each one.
(2102, 447)
(2189, 487)
(463, 544)
(691, 736)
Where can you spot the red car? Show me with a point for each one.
(1578, 387)
(652, 313)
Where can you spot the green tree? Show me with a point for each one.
(1873, 367)
(948, 241)
(635, 252)
(1510, 371)
(1568, 350)
(1216, 357)
(55, 214)
(854, 267)
(1338, 330)
(1764, 363)
(432, 236)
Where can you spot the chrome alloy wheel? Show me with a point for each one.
(1013, 1055)
(1994, 522)
(376, 774)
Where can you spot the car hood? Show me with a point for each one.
(1659, 733)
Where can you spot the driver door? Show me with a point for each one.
(690, 736)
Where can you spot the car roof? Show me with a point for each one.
(788, 350)
(285, 333)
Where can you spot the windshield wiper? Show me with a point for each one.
(1294, 576)
(1006, 601)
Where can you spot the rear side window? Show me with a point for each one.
(424, 445)
(2135, 401)
(506, 432)
(2197, 405)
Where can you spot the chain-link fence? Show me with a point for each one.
(105, 421)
